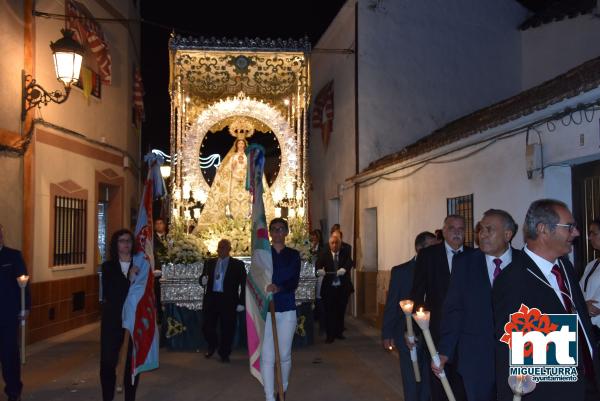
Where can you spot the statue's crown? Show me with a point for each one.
(241, 128)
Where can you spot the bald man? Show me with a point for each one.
(224, 279)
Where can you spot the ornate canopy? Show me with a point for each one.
(215, 81)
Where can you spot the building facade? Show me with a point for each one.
(447, 99)
(70, 171)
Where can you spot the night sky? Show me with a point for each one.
(221, 18)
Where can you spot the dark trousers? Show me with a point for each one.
(455, 380)
(9, 358)
(319, 315)
(414, 391)
(335, 308)
(218, 310)
(110, 346)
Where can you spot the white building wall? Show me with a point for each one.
(11, 167)
(330, 167)
(496, 176)
(424, 64)
(11, 63)
(552, 49)
(107, 119)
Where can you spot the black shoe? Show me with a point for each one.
(340, 337)
(225, 359)
(329, 340)
(209, 353)
(17, 398)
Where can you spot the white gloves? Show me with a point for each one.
(321, 272)
(239, 308)
(341, 271)
(204, 280)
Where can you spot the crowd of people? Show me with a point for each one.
(469, 292)
(472, 292)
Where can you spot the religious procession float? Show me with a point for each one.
(227, 94)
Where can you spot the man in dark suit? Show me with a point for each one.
(224, 279)
(432, 276)
(543, 278)
(467, 328)
(334, 265)
(394, 324)
(11, 267)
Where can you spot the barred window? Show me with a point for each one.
(70, 226)
(463, 206)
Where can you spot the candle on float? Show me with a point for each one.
(422, 319)
(407, 307)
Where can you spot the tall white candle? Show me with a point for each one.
(22, 280)
(422, 319)
(407, 307)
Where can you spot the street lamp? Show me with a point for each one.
(67, 54)
(165, 171)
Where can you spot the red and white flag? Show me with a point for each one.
(138, 97)
(322, 113)
(88, 32)
(139, 309)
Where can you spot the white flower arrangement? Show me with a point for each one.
(183, 248)
(238, 231)
(298, 237)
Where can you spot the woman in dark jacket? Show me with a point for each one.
(115, 286)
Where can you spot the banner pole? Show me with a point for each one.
(278, 376)
(120, 371)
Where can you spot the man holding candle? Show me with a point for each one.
(12, 266)
(394, 324)
(432, 276)
(543, 278)
(467, 326)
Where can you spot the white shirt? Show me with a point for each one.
(546, 268)
(450, 253)
(506, 258)
(593, 287)
(124, 267)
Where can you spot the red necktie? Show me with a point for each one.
(588, 367)
(564, 291)
(497, 270)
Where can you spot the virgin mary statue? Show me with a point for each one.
(228, 197)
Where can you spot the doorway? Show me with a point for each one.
(586, 207)
(109, 217)
(367, 282)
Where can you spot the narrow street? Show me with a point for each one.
(66, 368)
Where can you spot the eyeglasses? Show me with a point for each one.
(280, 229)
(571, 226)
